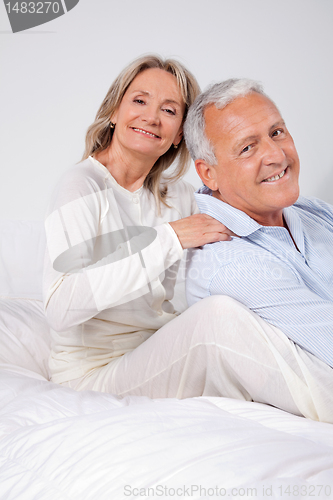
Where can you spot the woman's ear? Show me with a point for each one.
(178, 137)
(113, 118)
(207, 174)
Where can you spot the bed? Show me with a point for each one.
(56, 443)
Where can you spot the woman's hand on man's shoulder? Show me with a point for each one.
(199, 229)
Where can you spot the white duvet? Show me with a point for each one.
(60, 444)
(56, 443)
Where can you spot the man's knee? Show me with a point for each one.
(222, 305)
(219, 316)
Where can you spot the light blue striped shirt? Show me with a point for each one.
(263, 269)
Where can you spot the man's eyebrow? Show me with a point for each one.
(278, 124)
(243, 141)
(251, 138)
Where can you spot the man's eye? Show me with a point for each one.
(277, 132)
(246, 149)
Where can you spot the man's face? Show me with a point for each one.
(258, 165)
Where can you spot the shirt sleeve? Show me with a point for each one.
(277, 294)
(87, 269)
(318, 208)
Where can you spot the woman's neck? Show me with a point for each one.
(129, 170)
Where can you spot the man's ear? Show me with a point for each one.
(207, 174)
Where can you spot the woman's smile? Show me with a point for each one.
(145, 132)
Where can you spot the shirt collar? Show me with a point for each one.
(295, 225)
(108, 175)
(237, 221)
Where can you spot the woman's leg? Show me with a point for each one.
(220, 348)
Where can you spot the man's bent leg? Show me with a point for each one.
(220, 348)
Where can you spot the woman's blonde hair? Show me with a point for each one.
(99, 134)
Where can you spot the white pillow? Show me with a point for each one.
(24, 336)
(22, 247)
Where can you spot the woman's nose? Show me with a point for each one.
(150, 115)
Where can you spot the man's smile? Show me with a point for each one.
(275, 177)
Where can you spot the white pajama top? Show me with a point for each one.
(110, 267)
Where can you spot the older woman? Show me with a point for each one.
(116, 230)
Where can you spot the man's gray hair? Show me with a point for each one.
(219, 94)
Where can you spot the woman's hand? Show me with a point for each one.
(200, 229)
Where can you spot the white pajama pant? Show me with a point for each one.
(218, 347)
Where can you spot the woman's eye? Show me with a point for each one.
(139, 101)
(170, 111)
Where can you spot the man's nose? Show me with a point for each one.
(273, 153)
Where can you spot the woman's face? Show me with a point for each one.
(149, 118)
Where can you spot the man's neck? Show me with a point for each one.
(268, 218)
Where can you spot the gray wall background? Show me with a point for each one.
(54, 77)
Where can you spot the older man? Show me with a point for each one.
(280, 264)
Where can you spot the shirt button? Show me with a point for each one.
(135, 200)
(160, 313)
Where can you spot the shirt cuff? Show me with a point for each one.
(177, 244)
